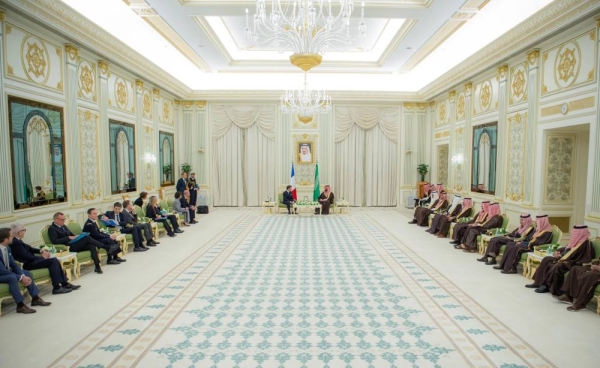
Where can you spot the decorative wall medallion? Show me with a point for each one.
(442, 113)
(564, 108)
(35, 59)
(90, 174)
(442, 164)
(518, 85)
(485, 96)
(87, 80)
(121, 93)
(567, 64)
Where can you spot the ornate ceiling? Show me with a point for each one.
(413, 47)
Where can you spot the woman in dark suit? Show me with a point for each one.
(153, 211)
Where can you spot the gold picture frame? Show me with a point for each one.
(305, 154)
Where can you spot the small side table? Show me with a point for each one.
(122, 242)
(69, 263)
(532, 263)
(483, 243)
(343, 206)
(268, 207)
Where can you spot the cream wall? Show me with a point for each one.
(521, 93)
(545, 100)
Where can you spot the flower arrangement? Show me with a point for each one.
(307, 203)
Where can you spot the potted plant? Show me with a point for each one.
(186, 168)
(167, 170)
(423, 170)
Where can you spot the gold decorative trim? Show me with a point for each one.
(445, 133)
(188, 104)
(408, 105)
(72, 52)
(156, 93)
(468, 88)
(104, 66)
(452, 94)
(431, 103)
(421, 105)
(591, 75)
(581, 104)
(597, 22)
(502, 71)
(139, 84)
(176, 103)
(533, 55)
(201, 104)
(2, 16)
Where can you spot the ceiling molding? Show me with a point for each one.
(214, 38)
(397, 40)
(418, 4)
(547, 21)
(80, 31)
(337, 96)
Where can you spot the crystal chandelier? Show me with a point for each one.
(306, 27)
(305, 102)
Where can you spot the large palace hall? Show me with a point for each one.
(299, 183)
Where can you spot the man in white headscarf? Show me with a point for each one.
(305, 154)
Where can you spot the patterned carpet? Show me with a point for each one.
(303, 291)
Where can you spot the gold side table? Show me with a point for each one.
(68, 262)
(268, 207)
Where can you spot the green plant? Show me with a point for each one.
(186, 168)
(167, 170)
(423, 170)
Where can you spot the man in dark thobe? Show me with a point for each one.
(579, 287)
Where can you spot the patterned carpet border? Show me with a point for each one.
(219, 244)
(510, 339)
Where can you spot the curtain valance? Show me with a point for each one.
(366, 118)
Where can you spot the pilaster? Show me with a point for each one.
(72, 126)
(140, 153)
(451, 149)
(593, 182)
(468, 140)
(155, 114)
(502, 124)
(6, 188)
(533, 71)
(103, 130)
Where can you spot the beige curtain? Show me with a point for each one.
(122, 159)
(38, 153)
(366, 144)
(243, 148)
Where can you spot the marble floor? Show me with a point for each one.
(245, 289)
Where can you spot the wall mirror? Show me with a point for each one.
(122, 157)
(37, 149)
(483, 173)
(167, 158)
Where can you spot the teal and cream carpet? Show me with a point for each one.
(303, 291)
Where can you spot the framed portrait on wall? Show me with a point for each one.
(483, 171)
(304, 152)
(122, 157)
(37, 147)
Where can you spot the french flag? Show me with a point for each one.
(293, 183)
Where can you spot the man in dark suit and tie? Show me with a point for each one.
(131, 217)
(107, 241)
(12, 274)
(130, 182)
(35, 259)
(140, 200)
(127, 226)
(181, 183)
(288, 199)
(60, 234)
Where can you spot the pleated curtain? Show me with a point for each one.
(366, 146)
(243, 146)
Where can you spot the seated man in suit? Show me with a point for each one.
(127, 226)
(288, 200)
(140, 201)
(30, 259)
(106, 241)
(60, 234)
(186, 203)
(131, 217)
(12, 274)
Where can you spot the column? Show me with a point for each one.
(202, 145)
(452, 112)
(72, 127)
(139, 136)
(180, 132)
(155, 119)
(502, 136)
(103, 132)
(593, 195)
(533, 63)
(6, 188)
(468, 140)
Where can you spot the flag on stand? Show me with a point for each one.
(317, 190)
(293, 183)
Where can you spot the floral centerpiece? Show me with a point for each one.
(307, 203)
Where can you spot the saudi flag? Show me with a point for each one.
(317, 191)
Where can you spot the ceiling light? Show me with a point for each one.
(307, 27)
(305, 102)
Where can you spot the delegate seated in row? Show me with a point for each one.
(421, 214)
(467, 233)
(440, 225)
